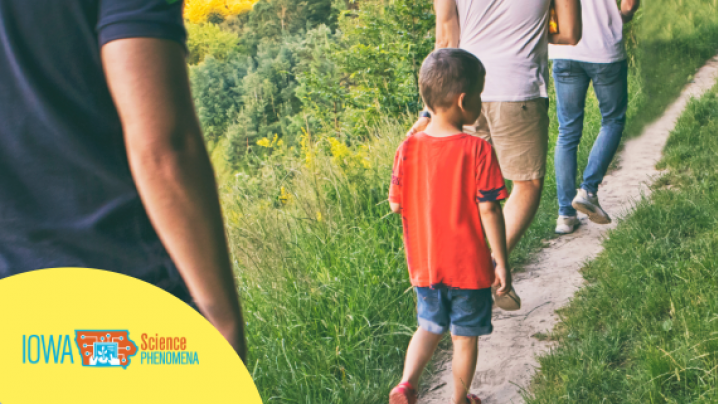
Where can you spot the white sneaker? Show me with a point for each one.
(567, 224)
(587, 202)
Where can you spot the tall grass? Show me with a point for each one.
(321, 265)
(646, 330)
(325, 287)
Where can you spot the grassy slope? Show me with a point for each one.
(323, 276)
(646, 330)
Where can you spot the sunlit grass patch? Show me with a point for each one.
(646, 329)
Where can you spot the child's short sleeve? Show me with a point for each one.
(397, 174)
(490, 184)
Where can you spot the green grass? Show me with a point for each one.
(322, 275)
(646, 329)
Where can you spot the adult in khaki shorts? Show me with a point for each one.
(519, 133)
(511, 39)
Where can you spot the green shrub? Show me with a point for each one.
(208, 39)
(321, 265)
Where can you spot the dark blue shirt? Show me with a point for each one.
(67, 198)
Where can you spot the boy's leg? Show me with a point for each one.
(421, 349)
(610, 81)
(571, 83)
(463, 365)
(470, 318)
(433, 316)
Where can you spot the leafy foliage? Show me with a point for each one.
(199, 11)
(310, 67)
(209, 40)
(303, 117)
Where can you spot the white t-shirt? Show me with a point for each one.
(602, 40)
(510, 37)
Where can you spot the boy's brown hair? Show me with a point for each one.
(446, 73)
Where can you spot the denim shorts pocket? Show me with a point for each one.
(426, 299)
(466, 303)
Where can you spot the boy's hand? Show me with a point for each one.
(492, 219)
(503, 280)
(419, 126)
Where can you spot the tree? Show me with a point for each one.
(208, 39)
(215, 11)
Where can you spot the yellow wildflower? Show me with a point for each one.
(284, 196)
(306, 148)
(264, 142)
(340, 151)
(198, 11)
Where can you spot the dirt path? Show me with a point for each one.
(551, 281)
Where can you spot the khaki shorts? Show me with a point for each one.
(518, 131)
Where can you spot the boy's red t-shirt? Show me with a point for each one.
(438, 181)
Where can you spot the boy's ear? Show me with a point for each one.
(462, 98)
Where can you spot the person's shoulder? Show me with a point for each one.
(411, 140)
(403, 143)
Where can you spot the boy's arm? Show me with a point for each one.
(492, 218)
(628, 9)
(395, 207)
(570, 24)
(148, 81)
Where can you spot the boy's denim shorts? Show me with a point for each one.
(465, 312)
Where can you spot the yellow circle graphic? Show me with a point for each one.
(75, 335)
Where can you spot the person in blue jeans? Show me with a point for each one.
(600, 58)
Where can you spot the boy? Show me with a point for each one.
(439, 177)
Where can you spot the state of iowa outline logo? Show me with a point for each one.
(105, 348)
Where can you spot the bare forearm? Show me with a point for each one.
(395, 207)
(492, 218)
(628, 9)
(447, 36)
(570, 24)
(149, 84)
(448, 32)
(179, 193)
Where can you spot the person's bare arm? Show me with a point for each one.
(149, 84)
(448, 31)
(395, 207)
(570, 24)
(628, 9)
(492, 218)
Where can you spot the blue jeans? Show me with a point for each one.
(571, 79)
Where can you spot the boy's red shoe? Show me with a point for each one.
(403, 393)
(472, 399)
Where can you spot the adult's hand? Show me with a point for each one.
(628, 9)
(149, 84)
(419, 126)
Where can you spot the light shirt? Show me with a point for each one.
(510, 37)
(602, 40)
